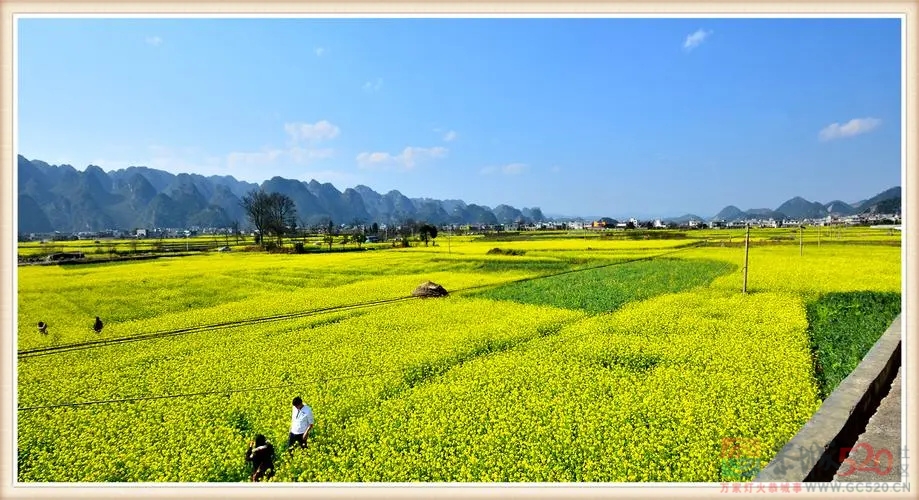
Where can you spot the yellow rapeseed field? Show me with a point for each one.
(642, 387)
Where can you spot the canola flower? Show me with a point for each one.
(817, 271)
(388, 352)
(154, 296)
(643, 394)
(455, 389)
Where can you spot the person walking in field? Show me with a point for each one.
(97, 326)
(261, 455)
(301, 422)
(42, 327)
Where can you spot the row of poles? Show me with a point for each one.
(746, 256)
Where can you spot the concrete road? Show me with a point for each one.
(878, 454)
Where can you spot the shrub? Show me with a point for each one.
(505, 251)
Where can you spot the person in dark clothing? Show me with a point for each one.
(261, 455)
(42, 327)
(97, 326)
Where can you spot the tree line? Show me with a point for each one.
(275, 215)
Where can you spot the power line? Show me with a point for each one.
(45, 351)
(319, 380)
(201, 393)
(42, 351)
(227, 392)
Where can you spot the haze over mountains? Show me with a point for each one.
(888, 201)
(61, 198)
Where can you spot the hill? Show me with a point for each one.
(683, 218)
(888, 201)
(61, 198)
(837, 207)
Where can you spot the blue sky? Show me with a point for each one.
(654, 117)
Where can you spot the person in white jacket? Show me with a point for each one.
(301, 421)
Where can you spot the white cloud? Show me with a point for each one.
(251, 165)
(853, 127)
(450, 136)
(296, 153)
(320, 51)
(695, 39)
(154, 40)
(302, 155)
(336, 177)
(412, 155)
(271, 161)
(237, 160)
(513, 168)
(408, 159)
(369, 158)
(311, 132)
(373, 85)
(509, 169)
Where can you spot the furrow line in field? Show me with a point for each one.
(45, 351)
(412, 375)
(220, 392)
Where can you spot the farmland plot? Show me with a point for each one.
(620, 371)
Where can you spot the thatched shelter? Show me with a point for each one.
(429, 289)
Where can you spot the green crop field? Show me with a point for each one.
(563, 356)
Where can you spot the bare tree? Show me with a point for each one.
(283, 215)
(270, 213)
(257, 204)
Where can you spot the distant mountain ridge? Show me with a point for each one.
(888, 201)
(683, 219)
(61, 198)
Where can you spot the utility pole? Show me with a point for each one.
(801, 238)
(746, 259)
